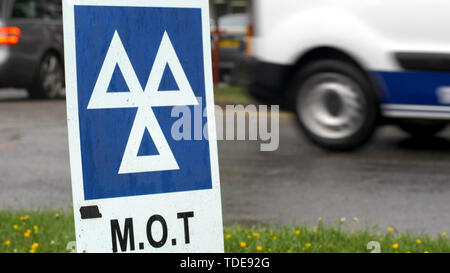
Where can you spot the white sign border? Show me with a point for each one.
(73, 115)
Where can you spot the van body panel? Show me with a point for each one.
(374, 33)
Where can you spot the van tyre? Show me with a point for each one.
(49, 79)
(335, 104)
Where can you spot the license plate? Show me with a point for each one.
(229, 43)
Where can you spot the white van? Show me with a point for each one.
(345, 66)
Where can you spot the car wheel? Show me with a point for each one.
(49, 82)
(335, 104)
(422, 129)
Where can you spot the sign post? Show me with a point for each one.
(134, 69)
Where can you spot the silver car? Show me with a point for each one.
(31, 47)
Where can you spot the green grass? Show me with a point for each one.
(52, 230)
(330, 239)
(236, 94)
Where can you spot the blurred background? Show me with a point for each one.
(348, 152)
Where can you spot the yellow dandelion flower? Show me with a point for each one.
(35, 228)
(275, 238)
(426, 251)
(444, 234)
(16, 227)
(389, 229)
(395, 246)
(243, 244)
(259, 248)
(315, 228)
(7, 243)
(35, 245)
(228, 236)
(27, 233)
(24, 218)
(319, 219)
(32, 250)
(298, 232)
(308, 245)
(255, 234)
(418, 241)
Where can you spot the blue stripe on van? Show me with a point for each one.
(411, 87)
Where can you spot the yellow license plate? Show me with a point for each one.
(229, 43)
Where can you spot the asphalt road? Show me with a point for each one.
(394, 181)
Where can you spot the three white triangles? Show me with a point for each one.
(144, 99)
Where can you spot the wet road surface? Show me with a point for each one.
(394, 181)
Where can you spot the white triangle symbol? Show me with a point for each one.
(144, 100)
(100, 98)
(131, 162)
(167, 56)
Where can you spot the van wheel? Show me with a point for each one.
(49, 83)
(335, 104)
(422, 129)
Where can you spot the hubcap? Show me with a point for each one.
(331, 105)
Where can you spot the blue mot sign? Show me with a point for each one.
(136, 187)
